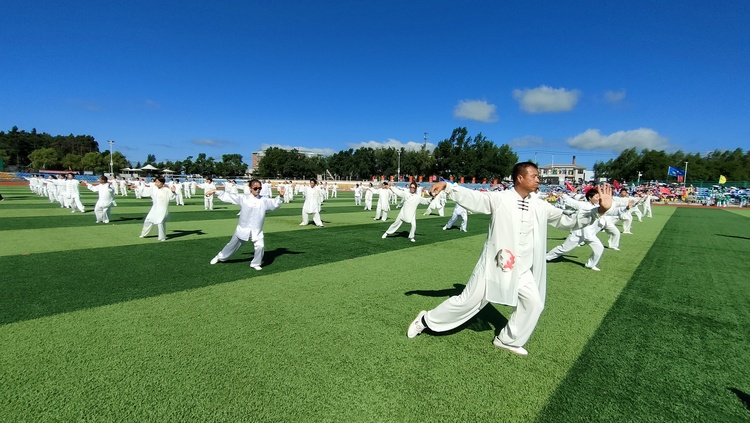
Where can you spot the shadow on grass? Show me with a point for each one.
(744, 397)
(488, 317)
(45, 284)
(733, 236)
(179, 233)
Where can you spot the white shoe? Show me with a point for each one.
(614, 248)
(515, 350)
(416, 327)
(256, 267)
(444, 228)
(384, 236)
(593, 268)
(412, 240)
(214, 260)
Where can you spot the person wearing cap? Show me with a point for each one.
(408, 213)
(253, 208)
(512, 268)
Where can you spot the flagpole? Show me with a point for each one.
(685, 179)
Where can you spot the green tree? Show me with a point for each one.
(94, 162)
(44, 158)
(72, 162)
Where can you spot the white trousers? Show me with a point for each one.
(161, 227)
(208, 202)
(102, 213)
(573, 241)
(397, 224)
(457, 310)
(235, 243)
(614, 234)
(316, 219)
(379, 213)
(464, 220)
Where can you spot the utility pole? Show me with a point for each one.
(111, 163)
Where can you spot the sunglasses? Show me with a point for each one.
(255, 189)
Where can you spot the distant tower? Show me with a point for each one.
(425, 137)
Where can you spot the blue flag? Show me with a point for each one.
(675, 171)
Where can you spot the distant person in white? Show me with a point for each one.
(368, 196)
(313, 199)
(208, 199)
(106, 195)
(159, 213)
(408, 212)
(384, 206)
(72, 194)
(461, 212)
(253, 208)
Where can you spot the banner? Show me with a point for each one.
(722, 179)
(568, 186)
(676, 171)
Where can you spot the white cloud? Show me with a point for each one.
(546, 100)
(208, 142)
(614, 97)
(323, 151)
(526, 141)
(86, 105)
(640, 138)
(478, 110)
(409, 146)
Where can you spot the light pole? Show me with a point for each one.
(639, 178)
(399, 166)
(111, 164)
(684, 180)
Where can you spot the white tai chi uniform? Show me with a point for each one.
(461, 212)
(104, 203)
(368, 197)
(384, 195)
(208, 200)
(159, 213)
(313, 199)
(512, 269)
(72, 195)
(250, 225)
(408, 212)
(438, 203)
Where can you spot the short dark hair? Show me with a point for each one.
(591, 193)
(520, 168)
(413, 184)
(160, 179)
(103, 178)
(315, 181)
(253, 181)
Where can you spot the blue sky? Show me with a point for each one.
(552, 79)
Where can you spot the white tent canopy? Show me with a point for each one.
(148, 167)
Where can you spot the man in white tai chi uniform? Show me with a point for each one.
(72, 194)
(159, 213)
(384, 195)
(313, 199)
(106, 197)
(208, 200)
(512, 268)
(253, 208)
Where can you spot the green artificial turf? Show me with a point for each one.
(97, 324)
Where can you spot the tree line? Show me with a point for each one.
(653, 165)
(457, 156)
